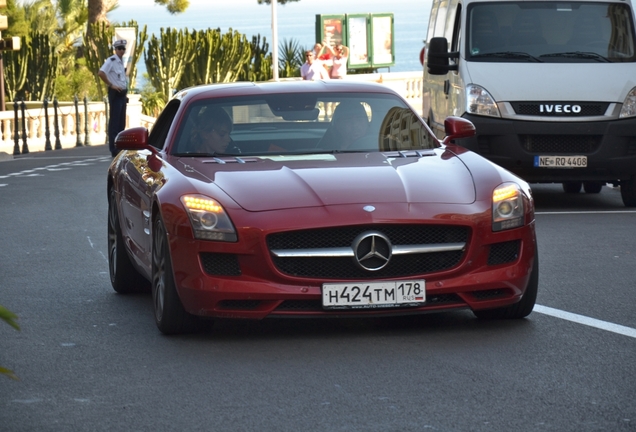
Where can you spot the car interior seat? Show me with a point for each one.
(526, 29)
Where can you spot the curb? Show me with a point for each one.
(5, 157)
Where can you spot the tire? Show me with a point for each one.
(572, 187)
(523, 307)
(593, 187)
(170, 316)
(628, 192)
(123, 276)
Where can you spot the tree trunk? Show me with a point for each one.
(97, 10)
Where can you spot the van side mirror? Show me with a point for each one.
(437, 61)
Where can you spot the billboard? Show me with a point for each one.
(370, 37)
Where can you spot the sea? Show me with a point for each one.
(295, 21)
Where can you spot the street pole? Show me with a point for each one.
(2, 105)
(274, 41)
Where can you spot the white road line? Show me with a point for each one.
(581, 319)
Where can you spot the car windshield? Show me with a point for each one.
(300, 123)
(550, 32)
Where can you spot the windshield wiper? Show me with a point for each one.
(580, 54)
(510, 55)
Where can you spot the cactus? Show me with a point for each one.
(42, 69)
(15, 69)
(166, 59)
(260, 66)
(219, 57)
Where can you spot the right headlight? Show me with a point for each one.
(479, 102)
(507, 207)
(208, 218)
(629, 106)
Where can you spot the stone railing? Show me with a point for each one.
(92, 127)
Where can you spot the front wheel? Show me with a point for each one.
(123, 276)
(572, 187)
(170, 316)
(523, 307)
(593, 187)
(628, 192)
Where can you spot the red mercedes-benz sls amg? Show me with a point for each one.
(311, 199)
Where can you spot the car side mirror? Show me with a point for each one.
(134, 139)
(437, 60)
(457, 128)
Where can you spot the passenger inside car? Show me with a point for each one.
(349, 128)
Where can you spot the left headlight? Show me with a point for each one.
(629, 105)
(507, 207)
(480, 102)
(208, 218)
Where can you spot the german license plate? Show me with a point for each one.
(362, 295)
(560, 161)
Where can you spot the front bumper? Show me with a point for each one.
(610, 147)
(489, 275)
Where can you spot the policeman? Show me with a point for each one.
(113, 73)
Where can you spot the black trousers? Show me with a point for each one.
(117, 122)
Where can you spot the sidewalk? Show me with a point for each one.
(88, 151)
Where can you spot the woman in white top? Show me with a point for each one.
(339, 57)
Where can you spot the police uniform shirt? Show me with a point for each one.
(115, 71)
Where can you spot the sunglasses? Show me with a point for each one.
(120, 48)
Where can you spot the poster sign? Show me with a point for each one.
(358, 37)
(332, 31)
(129, 34)
(370, 37)
(382, 30)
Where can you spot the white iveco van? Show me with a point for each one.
(550, 86)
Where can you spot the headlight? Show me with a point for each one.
(479, 101)
(629, 106)
(208, 218)
(507, 207)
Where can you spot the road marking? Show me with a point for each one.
(581, 319)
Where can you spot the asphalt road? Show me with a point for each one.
(91, 360)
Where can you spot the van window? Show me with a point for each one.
(551, 32)
(440, 19)
(432, 20)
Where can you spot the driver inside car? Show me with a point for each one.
(211, 135)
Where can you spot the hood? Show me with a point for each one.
(594, 82)
(264, 184)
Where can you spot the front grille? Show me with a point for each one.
(346, 268)
(550, 109)
(503, 253)
(557, 144)
(218, 264)
(316, 305)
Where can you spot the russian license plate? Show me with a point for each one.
(356, 295)
(560, 161)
